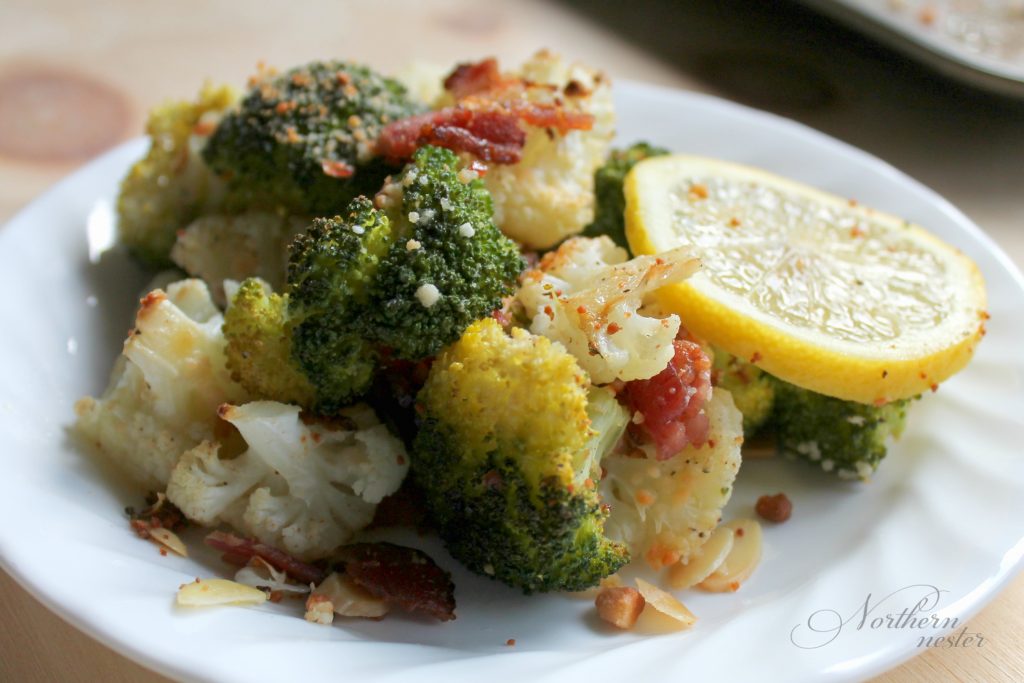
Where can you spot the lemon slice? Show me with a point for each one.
(817, 290)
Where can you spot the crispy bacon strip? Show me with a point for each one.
(337, 169)
(405, 507)
(472, 79)
(160, 513)
(405, 577)
(490, 132)
(489, 135)
(239, 551)
(672, 402)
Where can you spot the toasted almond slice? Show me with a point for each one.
(349, 599)
(169, 540)
(261, 574)
(704, 562)
(666, 603)
(210, 592)
(741, 561)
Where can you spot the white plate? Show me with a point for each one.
(944, 509)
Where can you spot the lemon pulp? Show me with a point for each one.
(817, 290)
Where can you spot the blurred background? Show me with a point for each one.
(77, 78)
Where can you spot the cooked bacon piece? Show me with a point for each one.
(405, 507)
(490, 132)
(239, 551)
(472, 79)
(672, 402)
(161, 514)
(404, 577)
(337, 169)
(490, 135)
(554, 116)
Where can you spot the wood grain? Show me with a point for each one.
(106, 63)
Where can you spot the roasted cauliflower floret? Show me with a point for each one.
(221, 247)
(586, 295)
(171, 186)
(303, 139)
(164, 391)
(663, 510)
(549, 194)
(303, 486)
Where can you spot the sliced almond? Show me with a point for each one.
(210, 592)
(704, 561)
(666, 603)
(260, 574)
(348, 599)
(169, 540)
(741, 561)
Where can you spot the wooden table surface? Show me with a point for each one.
(76, 78)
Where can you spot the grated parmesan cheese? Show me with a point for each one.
(428, 295)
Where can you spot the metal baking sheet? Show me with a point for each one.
(977, 41)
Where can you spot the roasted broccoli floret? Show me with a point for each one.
(448, 266)
(171, 186)
(259, 351)
(610, 204)
(752, 389)
(304, 139)
(839, 436)
(409, 278)
(511, 481)
(304, 346)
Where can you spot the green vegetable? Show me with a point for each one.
(304, 347)
(356, 283)
(511, 483)
(303, 139)
(839, 436)
(610, 204)
(449, 264)
(752, 389)
(171, 186)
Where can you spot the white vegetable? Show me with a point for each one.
(254, 244)
(549, 194)
(305, 487)
(665, 510)
(165, 388)
(259, 574)
(587, 296)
